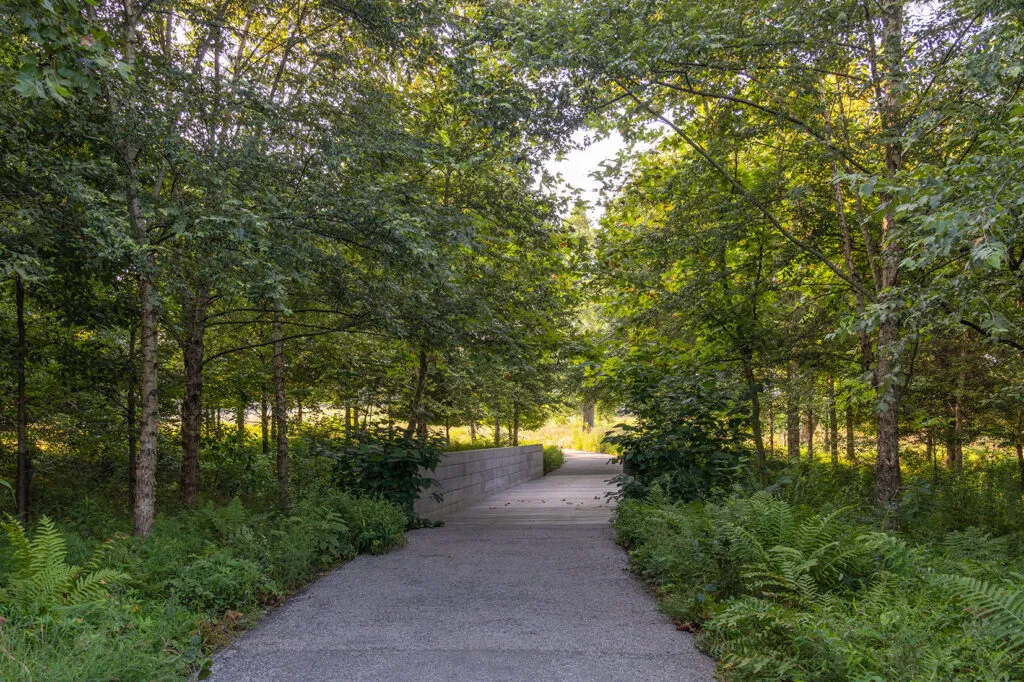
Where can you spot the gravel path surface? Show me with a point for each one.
(525, 586)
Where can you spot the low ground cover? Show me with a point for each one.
(81, 598)
(802, 579)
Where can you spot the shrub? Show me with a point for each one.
(689, 439)
(553, 458)
(784, 591)
(379, 463)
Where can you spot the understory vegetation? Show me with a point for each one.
(553, 458)
(805, 580)
(86, 600)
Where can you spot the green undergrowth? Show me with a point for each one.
(553, 458)
(72, 608)
(792, 584)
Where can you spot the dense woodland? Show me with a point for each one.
(259, 260)
(227, 213)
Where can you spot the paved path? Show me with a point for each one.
(527, 586)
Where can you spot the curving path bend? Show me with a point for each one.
(526, 586)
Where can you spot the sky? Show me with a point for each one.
(577, 166)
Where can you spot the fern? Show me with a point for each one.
(43, 580)
(1000, 607)
(658, 497)
(974, 543)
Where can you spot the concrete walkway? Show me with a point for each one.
(526, 586)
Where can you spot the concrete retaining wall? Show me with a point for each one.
(471, 475)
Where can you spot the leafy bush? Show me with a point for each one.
(553, 458)
(380, 463)
(689, 438)
(783, 591)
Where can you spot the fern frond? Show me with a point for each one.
(1000, 607)
(21, 550)
(95, 586)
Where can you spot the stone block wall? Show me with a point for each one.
(472, 475)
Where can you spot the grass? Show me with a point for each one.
(569, 432)
(553, 458)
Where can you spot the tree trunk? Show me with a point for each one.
(515, 425)
(193, 312)
(754, 389)
(792, 413)
(771, 427)
(833, 421)
(588, 416)
(145, 465)
(929, 451)
(497, 432)
(280, 410)
(472, 431)
(129, 417)
(888, 477)
(417, 396)
(811, 425)
(447, 431)
(954, 438)
(298, 416)
(348, 421)
(23, 483)
(265, 423)
(240, 417)
(851, 443)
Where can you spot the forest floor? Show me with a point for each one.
(526, 585)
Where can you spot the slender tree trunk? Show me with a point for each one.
(771, 427)
(851, 443)
(792, 413)
(129, 418)
(298, 416)
(929, 446)
(472, 431)
(447, 431)
(280, 410)
(145, 465)
(810, 434)
(240, 417)
(23, 483)
(265, 423)
(497, 432)
(588, 416)
(833, 421)
(754, 389)
(954, 438)
(348, 421)
(193, 310)
(888, 477)
(417, 396)
(515, 425)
